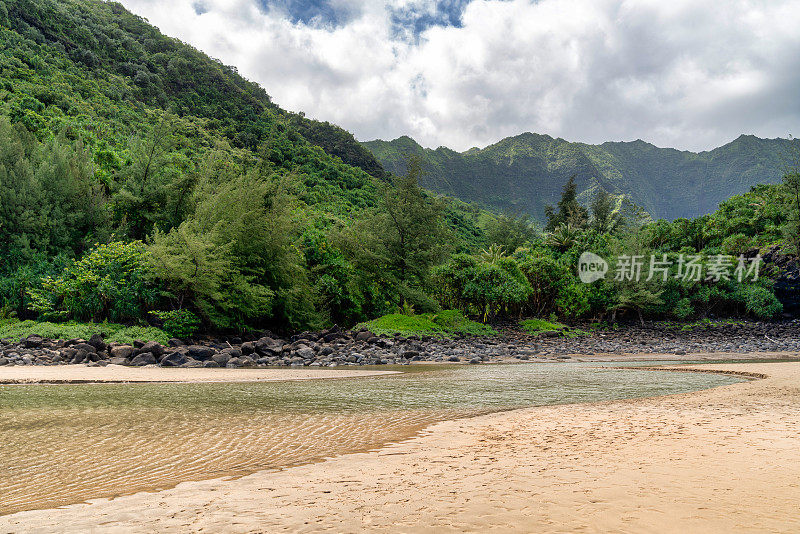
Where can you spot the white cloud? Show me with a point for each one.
(681, 73)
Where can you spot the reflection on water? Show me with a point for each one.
(63, 444)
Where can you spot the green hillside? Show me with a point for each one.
(113, 134)
(526, 172)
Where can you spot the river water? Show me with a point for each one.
(62, 444)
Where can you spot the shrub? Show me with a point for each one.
(762, 302)
(445, 323)
(178, 323)
(683, 309)
(111, 332)
(107, 283)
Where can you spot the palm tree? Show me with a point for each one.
(563, 237)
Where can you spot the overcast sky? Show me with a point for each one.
(688, 74)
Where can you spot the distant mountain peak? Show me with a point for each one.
(528, 170)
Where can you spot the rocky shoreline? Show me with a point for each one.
(335, 347)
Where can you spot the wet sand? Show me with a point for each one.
(75, 374)
(720, 460)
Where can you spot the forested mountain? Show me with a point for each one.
(527, 172)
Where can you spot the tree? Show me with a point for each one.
(49, 201)
(403, 238)
(236, 260)
(568, 210)
(510, 232)
(562, 237)
(791, 182)
(151, 190)
(606, 217)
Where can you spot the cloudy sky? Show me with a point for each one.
(460, 73)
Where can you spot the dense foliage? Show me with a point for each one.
(119, 144)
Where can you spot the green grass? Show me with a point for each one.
(540, 326)
(443, 324)
(112, 332)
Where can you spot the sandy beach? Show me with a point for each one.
(73, 374)
(720, 460)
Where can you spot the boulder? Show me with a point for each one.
(233, 363)
(97, 342)
(175, 342)
(222, 358)
(364, 335)
(248, 347)
(153, 347)
(84, 346)
(122, 351)
(173, 359)
(201, 353)
(118, 361)
(3, 361)
(266, 346)
(145, 358)
(305, 352)
(207, 364)
(233, 351)
(33, 342)
(80, 356)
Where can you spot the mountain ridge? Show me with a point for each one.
(525, 172)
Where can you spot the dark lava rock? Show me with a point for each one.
(80, 356)
(84, 346)
(364, 335)
(145, 358)
(153, 347)
(305, 352)
(173, 359)
(475, 360)
(122, 351)
(233, 352)
(138, 343)
(207, 364)
(33, 342)
(97, 342)
(199, 352)
(175, 342)
(222, 358)
(118, 361)
(266, 346)
(326, 351)
(453, 359)
(234, 363)
(248, 347)
(3, 361)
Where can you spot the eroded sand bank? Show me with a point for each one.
(721, 460)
